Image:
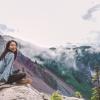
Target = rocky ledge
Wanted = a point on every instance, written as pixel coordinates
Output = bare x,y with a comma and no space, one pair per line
25,92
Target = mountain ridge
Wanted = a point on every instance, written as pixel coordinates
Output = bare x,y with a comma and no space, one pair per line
40,74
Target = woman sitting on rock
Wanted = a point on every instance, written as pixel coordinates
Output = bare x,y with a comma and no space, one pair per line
8,74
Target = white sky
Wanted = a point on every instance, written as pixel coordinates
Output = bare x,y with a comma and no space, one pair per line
50,22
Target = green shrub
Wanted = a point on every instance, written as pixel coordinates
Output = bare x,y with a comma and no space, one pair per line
78,94
56,96
95,94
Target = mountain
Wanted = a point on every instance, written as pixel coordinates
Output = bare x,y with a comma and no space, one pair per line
67,68
74,64
1,44
44,80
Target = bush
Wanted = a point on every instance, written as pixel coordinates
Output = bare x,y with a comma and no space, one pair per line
56,96
78,94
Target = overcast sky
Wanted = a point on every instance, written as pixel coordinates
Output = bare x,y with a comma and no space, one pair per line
52,22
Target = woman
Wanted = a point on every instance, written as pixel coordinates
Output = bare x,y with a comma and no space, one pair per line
7,72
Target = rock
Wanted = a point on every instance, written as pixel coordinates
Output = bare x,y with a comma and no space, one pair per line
71,98
21,92
25,92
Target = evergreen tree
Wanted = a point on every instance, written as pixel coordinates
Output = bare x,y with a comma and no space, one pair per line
96,81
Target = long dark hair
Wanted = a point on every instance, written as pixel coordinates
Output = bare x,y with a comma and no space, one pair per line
7,50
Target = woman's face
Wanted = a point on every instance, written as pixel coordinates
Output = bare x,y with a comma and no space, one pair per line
13,46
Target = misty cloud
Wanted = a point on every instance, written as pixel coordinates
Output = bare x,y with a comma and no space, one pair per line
5,29
97,34
89,13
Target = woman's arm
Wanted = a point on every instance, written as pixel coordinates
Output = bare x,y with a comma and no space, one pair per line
9,59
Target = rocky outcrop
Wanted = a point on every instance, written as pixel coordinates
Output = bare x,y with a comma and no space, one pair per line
20,93
25,92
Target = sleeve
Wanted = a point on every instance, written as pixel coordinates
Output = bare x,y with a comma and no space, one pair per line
9,58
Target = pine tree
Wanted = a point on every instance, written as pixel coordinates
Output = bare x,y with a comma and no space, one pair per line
96,89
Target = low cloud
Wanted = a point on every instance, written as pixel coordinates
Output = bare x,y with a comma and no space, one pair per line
5,29
97,34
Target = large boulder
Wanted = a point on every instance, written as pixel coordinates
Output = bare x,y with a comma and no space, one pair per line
25,92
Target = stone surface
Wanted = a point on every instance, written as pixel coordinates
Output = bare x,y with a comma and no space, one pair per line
25,92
